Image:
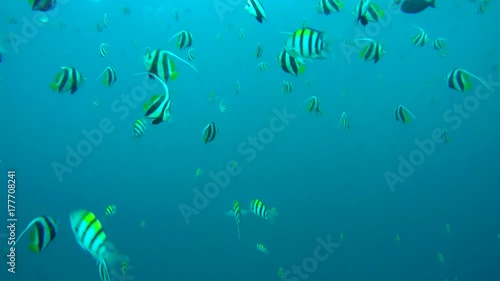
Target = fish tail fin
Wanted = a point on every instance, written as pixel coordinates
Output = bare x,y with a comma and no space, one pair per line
184,61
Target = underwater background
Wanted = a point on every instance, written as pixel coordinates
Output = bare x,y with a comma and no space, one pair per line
439,220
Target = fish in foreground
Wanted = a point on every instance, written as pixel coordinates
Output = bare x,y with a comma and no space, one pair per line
254,7
91,237
289,64
67,79
42,5
160,63
416,6
43,230
458,79
403,115
307,43
209,133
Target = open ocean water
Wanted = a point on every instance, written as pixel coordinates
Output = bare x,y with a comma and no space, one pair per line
366,197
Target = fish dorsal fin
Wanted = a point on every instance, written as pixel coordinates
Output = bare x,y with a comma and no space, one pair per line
306,100
106,69
177,34
27,228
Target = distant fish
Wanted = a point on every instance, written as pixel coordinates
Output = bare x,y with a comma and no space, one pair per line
110,211
184,39
262,249
416,6
109,76
421,38
439,43
344,122
313,105
209,133
458,79
103,50
258,50
403,115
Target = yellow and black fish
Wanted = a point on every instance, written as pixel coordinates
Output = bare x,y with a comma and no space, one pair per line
286,87
159,107
42,5
110,211
160,63
458,79
109,75
307,43
344,122
403,115
139,128
209,133
184,39
262,249
254,7
421,38
313,105
43,230
328,6
373,51
258,208
67,79
367,11
90,235
237,215
289,64
439,44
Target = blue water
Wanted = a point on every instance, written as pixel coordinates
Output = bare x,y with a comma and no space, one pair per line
323,181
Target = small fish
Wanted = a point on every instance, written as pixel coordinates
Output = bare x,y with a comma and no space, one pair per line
218,38
307,43
98,27
416,6
140,127
254,7
160,63
176,15
91,238
237,216
258,208
258,50
143,224
124,268
184,39
262,66
458,79
222,106
421,38
286,87
67,79
439,44
440,258
109,75
403,115
443,53
96,102
313,106
344,122
126,10
234,165
447,227
280,272
198,172
373,51
110,211
242,33
106,20
446,138
328,6
190,54
212,97
42,5
262,249
397,239
237,86
209,133
43,230
290,64
103,50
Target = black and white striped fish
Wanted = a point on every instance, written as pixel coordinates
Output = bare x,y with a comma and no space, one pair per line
421,38
344,121
184,39
160,63
254,7
43,230
289,64
328,6
158,109
403,115
307,43
458,79
373,51
139,128
258,208
67,79
109,76
209,133
313,106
